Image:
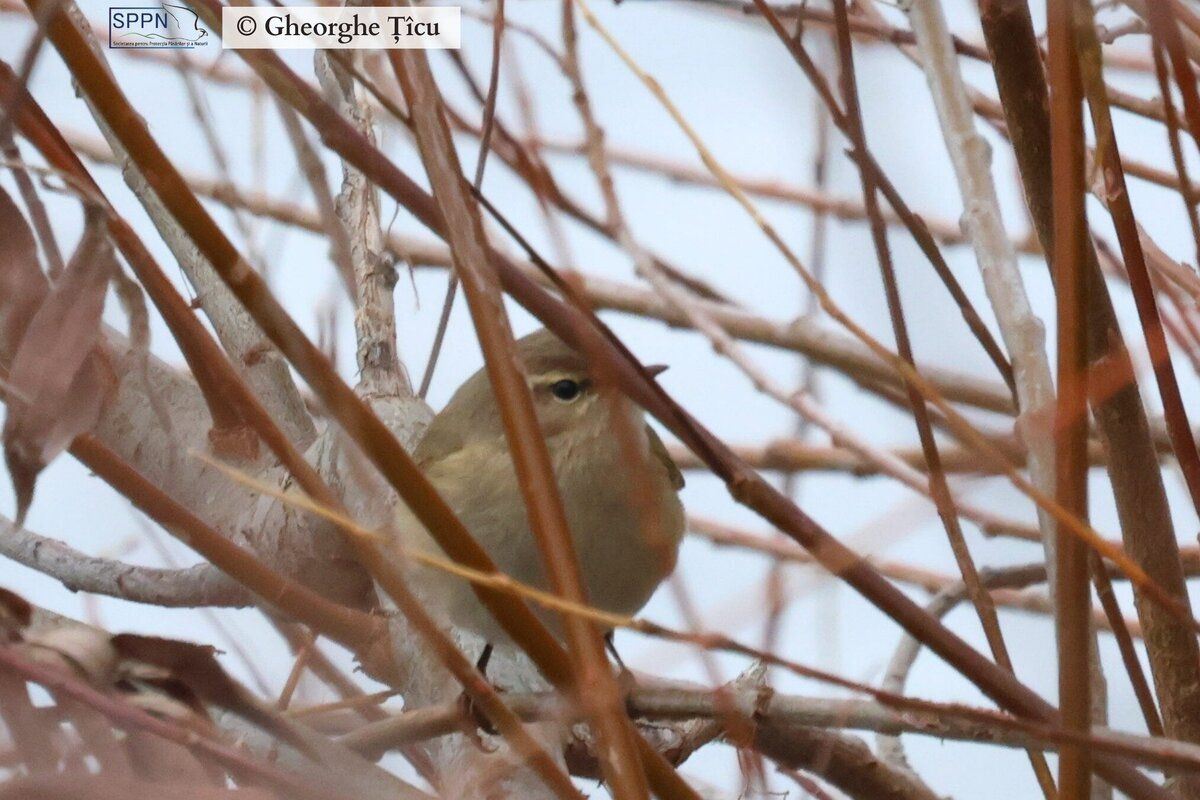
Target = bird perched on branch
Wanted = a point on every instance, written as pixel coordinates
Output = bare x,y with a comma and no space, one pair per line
618,486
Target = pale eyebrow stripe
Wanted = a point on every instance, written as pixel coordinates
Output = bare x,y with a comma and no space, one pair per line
550,378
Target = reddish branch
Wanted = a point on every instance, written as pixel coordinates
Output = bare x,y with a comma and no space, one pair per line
1146,525
1171,119
1164,27
1070,418
744,483
1135,263
1121,207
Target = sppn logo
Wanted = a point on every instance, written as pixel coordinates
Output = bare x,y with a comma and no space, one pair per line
163,25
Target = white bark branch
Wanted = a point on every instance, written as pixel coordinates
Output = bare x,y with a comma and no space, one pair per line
293,543
669,708
1023,332
201,585
381,374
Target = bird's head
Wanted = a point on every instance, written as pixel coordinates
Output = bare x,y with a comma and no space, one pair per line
565,396
561,381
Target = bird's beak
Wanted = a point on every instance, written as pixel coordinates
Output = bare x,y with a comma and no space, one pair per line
654,370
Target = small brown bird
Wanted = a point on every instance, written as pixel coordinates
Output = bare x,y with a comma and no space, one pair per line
465,455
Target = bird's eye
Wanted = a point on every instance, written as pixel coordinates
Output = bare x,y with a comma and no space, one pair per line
566,390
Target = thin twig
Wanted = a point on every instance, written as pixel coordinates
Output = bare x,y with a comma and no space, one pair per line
1173,139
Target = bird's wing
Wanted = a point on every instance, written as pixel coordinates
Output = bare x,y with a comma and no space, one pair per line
659,451
440,440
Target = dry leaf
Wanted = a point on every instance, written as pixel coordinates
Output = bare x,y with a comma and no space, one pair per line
23,287
133,301
14,609
86,649
196,667
59,379
193,664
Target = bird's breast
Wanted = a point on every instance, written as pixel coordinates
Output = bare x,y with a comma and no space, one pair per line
625,518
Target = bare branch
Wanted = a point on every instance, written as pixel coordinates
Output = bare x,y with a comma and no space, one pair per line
357,205
201,585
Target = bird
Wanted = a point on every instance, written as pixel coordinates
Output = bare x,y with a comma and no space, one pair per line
607,498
